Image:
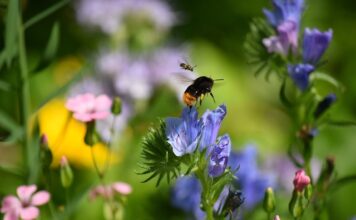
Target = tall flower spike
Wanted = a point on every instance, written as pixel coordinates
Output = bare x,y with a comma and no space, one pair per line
211,121
183,133
314,44
219,156
300,75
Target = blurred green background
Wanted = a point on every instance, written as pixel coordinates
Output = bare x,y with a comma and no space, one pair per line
216,31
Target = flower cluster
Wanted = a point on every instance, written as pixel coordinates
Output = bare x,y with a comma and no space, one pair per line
285,18
188,133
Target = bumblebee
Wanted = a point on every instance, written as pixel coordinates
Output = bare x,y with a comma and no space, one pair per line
187,66
198,89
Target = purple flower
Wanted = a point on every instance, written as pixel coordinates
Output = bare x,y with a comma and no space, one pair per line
324,105
112,15
287,39
186,196
300,75
285,18
314,44
219,156
25,205
285,10
183,133
135,76
211,121
252,180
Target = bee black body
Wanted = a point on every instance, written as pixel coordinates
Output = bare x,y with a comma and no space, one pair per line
198,89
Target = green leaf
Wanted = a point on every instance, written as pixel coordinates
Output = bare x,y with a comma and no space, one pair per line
42,15
53,42
257,55
341,123
158,159
11,34
318,76
10,125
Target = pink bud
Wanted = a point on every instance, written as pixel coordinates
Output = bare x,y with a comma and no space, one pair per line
44,140
122,188
276,217
301,180
64,161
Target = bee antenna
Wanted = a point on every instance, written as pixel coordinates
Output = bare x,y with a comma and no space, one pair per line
218,79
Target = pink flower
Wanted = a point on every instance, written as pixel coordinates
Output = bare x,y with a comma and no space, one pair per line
109,191
87,107
276,217
24,206
301,180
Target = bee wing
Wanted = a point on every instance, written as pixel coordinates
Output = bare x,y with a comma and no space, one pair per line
184,77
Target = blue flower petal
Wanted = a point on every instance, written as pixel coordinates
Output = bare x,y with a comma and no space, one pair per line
211,121
300,75
314,44
219,156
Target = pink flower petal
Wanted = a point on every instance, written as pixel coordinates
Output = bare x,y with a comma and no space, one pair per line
100,115
25,192
29,213
11,215
103,102
40,198
122,188
10,203
83,117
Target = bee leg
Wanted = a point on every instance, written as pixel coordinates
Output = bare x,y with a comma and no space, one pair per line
212,96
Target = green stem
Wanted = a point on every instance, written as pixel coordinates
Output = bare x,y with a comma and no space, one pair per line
25,102
206,201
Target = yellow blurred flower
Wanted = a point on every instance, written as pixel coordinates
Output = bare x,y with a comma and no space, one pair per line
66,137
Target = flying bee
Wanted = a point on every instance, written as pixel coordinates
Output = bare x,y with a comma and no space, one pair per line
187,66
198,89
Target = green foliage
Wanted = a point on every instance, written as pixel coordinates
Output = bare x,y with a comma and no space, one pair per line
158,159
257,54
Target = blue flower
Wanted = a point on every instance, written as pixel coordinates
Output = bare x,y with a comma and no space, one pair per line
314,44
285,10
324,105
219,156
186,196
211,121
183,133
300,74
252,180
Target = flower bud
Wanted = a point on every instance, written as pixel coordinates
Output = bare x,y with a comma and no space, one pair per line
269,203
276,217
116,106
308,192
66,173
324,105
296,204
301,180
91,137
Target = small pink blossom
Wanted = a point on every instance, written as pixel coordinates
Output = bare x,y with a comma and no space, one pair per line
64,161
276,217
24,206
87,107
301,180
108,191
